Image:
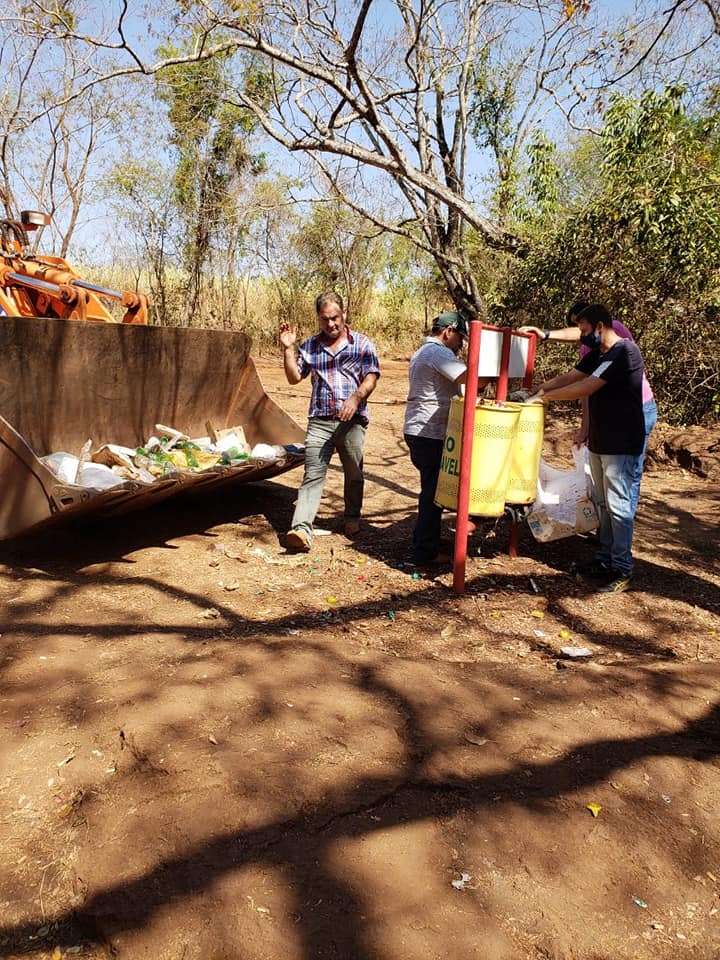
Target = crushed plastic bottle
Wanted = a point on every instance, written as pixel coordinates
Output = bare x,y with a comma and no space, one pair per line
233,455
189,448
156,462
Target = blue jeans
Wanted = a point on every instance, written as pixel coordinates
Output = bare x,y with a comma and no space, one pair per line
650,414
614,479
322,437
426,457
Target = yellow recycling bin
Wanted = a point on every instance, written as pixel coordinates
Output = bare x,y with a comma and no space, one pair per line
527,448
493,435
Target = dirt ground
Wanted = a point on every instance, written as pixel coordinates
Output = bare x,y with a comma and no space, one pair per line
214,750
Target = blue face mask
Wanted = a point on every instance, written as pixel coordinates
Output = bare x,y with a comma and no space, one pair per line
591,340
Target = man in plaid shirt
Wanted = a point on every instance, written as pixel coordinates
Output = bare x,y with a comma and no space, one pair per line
343,368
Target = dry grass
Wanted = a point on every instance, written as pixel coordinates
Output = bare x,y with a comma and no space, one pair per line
257,307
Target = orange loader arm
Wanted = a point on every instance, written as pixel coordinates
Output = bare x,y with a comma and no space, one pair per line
32,285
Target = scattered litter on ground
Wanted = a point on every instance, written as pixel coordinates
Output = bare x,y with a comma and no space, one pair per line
576,653
478,741
460,884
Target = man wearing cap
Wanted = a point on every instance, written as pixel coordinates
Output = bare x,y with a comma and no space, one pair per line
435,378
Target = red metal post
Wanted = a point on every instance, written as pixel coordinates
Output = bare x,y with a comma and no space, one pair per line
530,364
502,384
514,533
468,433
500,397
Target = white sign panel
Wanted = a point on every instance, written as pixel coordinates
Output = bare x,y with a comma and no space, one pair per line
491,351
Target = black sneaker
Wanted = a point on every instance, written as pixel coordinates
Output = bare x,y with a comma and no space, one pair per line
619,583
440,559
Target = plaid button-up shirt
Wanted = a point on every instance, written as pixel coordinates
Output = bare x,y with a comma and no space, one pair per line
336,376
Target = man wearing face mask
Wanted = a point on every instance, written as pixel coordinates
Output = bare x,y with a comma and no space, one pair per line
610,376
435,378
571,334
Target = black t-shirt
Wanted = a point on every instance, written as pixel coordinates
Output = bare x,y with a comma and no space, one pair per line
616,424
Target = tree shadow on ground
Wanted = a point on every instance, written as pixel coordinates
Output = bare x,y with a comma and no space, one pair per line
301,846
101,539
693,540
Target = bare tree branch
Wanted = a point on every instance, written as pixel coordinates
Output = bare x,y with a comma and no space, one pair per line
386,89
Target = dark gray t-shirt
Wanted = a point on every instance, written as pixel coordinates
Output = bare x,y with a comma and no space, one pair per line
617,424
434,368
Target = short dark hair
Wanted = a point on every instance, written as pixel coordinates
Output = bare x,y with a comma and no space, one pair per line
328,297
574,309
596,313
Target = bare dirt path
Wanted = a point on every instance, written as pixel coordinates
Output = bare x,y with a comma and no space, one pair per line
213,750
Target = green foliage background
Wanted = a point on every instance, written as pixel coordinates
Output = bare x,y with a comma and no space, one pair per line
640,232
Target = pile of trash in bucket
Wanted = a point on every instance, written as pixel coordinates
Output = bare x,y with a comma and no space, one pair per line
169,453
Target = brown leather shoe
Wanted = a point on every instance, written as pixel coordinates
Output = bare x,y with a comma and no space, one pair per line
298,540
351,528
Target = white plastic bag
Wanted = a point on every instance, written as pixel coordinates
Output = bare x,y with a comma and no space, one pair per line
67,468
265,451
98,477
563,506
63,465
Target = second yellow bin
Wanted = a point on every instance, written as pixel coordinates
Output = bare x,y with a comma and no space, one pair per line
527,449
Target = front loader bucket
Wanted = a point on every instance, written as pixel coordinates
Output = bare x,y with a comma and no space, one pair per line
63,382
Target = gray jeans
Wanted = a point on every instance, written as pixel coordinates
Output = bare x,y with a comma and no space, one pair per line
323,436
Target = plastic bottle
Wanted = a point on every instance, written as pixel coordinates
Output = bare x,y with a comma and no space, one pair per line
233,455
187,446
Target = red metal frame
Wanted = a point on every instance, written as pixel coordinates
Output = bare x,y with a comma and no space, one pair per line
468,432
